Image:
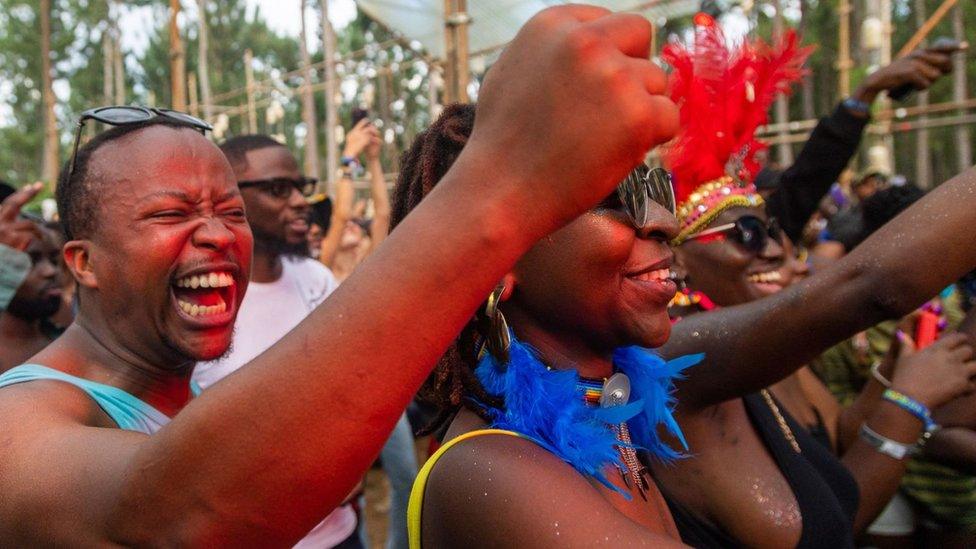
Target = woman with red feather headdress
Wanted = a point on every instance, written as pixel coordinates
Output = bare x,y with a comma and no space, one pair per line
759,477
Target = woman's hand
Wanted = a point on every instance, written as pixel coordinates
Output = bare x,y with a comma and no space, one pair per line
360,138
936,374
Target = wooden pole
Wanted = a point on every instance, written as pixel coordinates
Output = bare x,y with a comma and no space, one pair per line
177,60
203,63
888,138
308,103
450,55
456,71
252,114
331,115
925,29
191,83
844,61
50,154
462,70
923,163
964,148
784,153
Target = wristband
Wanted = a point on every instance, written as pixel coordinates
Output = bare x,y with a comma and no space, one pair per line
911,406
888,447
348,161
856,106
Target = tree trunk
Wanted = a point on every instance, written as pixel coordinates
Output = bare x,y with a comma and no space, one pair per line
50,154
923,164
119,70
108,61
203,67
331,116
176,59
964,151
252,111
308,105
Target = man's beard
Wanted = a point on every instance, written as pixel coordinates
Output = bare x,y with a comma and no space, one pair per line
33,309
275,246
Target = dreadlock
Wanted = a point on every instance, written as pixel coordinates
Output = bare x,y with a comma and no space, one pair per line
453,383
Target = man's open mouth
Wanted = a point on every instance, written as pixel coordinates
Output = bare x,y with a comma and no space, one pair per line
204,295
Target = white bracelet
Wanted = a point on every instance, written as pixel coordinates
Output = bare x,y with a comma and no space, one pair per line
888,447
876,374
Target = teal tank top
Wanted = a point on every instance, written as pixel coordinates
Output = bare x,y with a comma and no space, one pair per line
127,411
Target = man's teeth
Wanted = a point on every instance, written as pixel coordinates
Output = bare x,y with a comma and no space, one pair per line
206,280
770,277
198,310
652,276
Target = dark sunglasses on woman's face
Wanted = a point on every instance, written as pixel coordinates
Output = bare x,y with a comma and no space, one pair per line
635,193
749,231
122,115
282,187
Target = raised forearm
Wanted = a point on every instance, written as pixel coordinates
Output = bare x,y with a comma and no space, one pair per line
336,384
851,417
879,475
907,261
337,224
381,202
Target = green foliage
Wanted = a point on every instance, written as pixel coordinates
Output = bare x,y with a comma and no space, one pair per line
399,98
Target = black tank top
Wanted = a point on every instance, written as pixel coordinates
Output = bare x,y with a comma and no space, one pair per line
825,491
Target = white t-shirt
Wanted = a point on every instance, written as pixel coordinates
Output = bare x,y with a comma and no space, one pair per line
268,312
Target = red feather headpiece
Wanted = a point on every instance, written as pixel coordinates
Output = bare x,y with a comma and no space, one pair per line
724,95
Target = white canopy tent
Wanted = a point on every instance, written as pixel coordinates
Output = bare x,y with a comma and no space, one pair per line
461,32
494,22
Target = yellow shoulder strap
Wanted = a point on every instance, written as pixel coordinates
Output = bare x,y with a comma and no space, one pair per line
420,484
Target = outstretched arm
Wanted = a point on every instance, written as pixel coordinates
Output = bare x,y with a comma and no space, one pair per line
836,138
379,192
748,347
265,454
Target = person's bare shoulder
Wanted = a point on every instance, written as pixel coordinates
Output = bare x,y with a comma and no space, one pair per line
56,449
23,405
505,491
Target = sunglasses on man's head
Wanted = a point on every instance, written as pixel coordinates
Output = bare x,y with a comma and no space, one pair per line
635,193
122,115
282,187
749,231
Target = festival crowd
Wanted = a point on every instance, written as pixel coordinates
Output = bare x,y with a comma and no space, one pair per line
716,351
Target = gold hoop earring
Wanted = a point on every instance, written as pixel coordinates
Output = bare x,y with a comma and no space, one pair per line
499,339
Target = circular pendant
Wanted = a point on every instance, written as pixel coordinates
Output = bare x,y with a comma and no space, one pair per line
616,391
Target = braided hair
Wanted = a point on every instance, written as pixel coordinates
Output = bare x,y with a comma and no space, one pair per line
453,383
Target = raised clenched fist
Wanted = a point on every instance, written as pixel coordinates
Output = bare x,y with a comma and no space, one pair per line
571,106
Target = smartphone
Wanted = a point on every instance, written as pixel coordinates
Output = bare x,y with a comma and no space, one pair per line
926,329
357,115
943,44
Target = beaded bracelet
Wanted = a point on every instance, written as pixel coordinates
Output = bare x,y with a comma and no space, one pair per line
911,406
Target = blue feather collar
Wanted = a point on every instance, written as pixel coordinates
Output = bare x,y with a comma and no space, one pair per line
546,406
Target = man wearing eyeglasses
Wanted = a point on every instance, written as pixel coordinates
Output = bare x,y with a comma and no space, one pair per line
285,283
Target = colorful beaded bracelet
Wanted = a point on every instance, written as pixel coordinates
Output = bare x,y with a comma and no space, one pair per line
911,406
